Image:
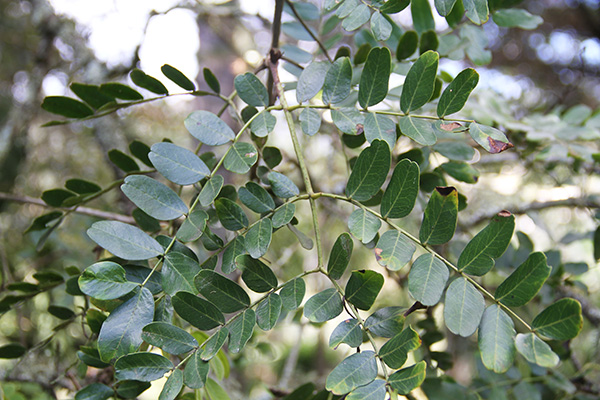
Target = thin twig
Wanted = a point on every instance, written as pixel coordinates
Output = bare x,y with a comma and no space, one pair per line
310,32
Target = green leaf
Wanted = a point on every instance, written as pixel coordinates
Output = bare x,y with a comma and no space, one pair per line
418,129
59,312
283,215
215,392
235,248
497,339
251,90
120,91
129,389
476,10
427,279
12,350
177,164
560,321
105,281
91,94
121,332
374,80
198,312
348,332
66,106
310,121
123,161
214,343
227,295
386,322
255,274
211,241
458,151
455,96
211,80
323,306
141,79
297,31
380,127
95,391
420,80
429,41
461,171
347,120
395,351
394,6
381,27
57,197
340,255
195,372
422,16
524,283
258,238
124,241
535,350
311,80
517,18
444,7
168,337
357,18
43,221
256,198
193,226
407,45
463,307
177,77
440,217
491,139
363,225
240,330
375,390
153,197
363,287
394,250
210,190
292,294
345,8
172,386
478,256
240,157
338,81
268,311
370,170
230,214
400,196
178,272
407,379
282,186
356,370
208,128
81,186
271,156
263,124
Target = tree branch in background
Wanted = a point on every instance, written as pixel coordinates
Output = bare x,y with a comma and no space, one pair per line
315,38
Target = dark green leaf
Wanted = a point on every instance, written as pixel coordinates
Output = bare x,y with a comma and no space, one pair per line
380,127
59,312
211,241
535,350
463,307
255,274
141,79
105,281
12,350
375,77
310,121
375,390
211,80
178,77
235,248
323,306
394,6
302,392
395,351
251,90
193,226
440,217
121,333
407,45
139,274
524,283
422,16
256,198
81,186
283,215
356,370
56,197
456,94
123,161
123,240
369,172
282,185
340,256
263,124
292,294
120,91
478,256
153,197
420,80
386,322
240,157
177,164
348,120
240,330
268,311
489,138
172,386
380,26
168,337
214,343
338,81
363,287
95,391
311,80
208,128
230,214
42,222
444,7
476,10
394,250
66,106
458,151
348,332
271,156
90,356
418,129
456,14
91,94
227,295
198,312
407,379
258,238
131,389
210,190
400,196
363,225
427,279
497,339
195,372
560,321
178,272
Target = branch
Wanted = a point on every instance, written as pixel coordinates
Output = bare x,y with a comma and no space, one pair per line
80,210
316,39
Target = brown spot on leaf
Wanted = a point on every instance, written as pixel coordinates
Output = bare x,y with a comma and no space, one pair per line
378,253
450,126
445,190
360,128
497,146
504,213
